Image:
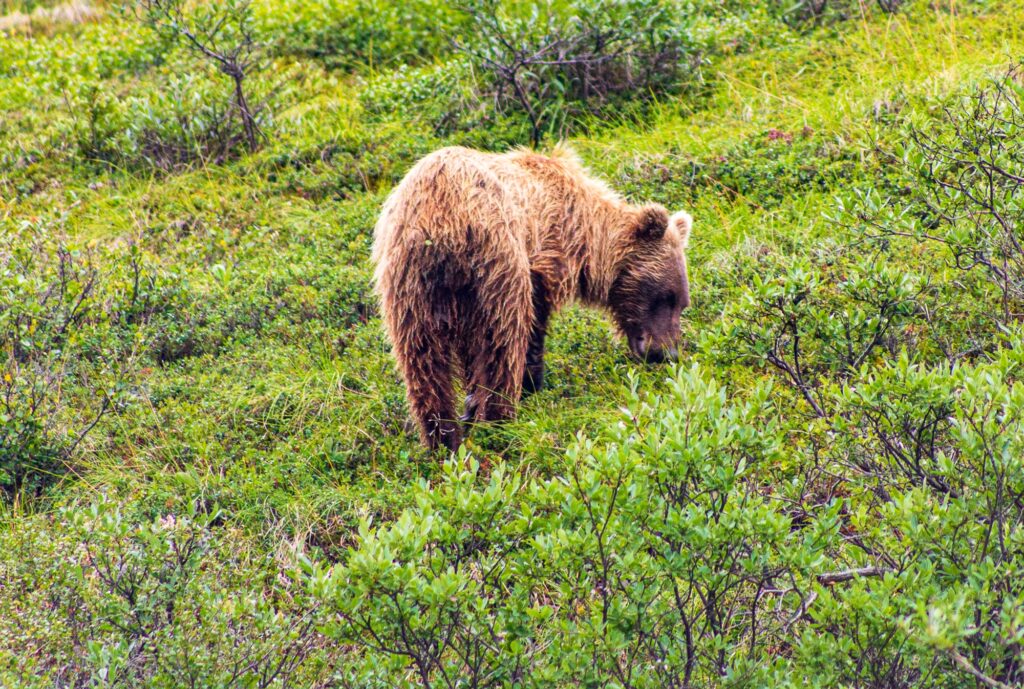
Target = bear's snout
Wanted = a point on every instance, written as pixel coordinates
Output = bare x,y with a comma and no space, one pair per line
644,349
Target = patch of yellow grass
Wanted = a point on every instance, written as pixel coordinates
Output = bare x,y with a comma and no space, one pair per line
46,19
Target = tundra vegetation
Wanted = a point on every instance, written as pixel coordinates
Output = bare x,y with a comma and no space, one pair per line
208,479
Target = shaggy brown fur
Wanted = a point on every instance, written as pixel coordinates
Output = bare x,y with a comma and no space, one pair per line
473,253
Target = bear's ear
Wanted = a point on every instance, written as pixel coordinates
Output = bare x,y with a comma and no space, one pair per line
683,222
652,224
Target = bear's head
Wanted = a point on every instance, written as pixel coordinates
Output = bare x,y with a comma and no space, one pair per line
651,287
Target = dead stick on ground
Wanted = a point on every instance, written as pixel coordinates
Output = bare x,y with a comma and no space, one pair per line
829,578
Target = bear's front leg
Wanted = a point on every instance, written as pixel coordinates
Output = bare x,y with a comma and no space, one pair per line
533,376
496,384
496,339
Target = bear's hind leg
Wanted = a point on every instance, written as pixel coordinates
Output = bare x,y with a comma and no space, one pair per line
432,400
427,369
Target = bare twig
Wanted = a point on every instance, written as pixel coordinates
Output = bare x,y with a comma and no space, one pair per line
829,578
805,605
967,666
233,52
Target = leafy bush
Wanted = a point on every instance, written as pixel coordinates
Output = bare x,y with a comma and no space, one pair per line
184,115
813,13
184,121
49,297
961,174
654,561
937,465
816,324
361,34
439,95
553,66
221,34
121,601
657,560
765,171
351,161
38,84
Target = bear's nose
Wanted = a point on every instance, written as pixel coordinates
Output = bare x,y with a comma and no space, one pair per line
652,354
659,355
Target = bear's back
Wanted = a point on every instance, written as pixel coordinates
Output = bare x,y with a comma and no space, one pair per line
456,188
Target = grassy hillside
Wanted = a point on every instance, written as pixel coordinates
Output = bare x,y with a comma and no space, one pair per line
208,475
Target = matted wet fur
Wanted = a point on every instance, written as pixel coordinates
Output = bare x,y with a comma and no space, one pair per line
474,251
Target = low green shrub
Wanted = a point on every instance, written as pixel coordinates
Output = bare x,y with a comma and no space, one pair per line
184,120
104,50
62,370
351,161
672,550
441,96
818,322
764,171
361,35
958,178
937,483
444,100
101,598
558,65
222,36
652,558
809,14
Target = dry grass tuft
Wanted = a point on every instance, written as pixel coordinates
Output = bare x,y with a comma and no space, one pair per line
49,19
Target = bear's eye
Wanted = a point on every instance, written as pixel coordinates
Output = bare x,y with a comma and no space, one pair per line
666,300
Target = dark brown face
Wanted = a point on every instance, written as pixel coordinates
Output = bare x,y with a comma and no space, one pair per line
647,300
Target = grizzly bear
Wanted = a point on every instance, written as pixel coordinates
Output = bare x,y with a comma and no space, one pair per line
474,252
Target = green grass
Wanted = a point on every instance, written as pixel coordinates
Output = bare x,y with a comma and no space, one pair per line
264,383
